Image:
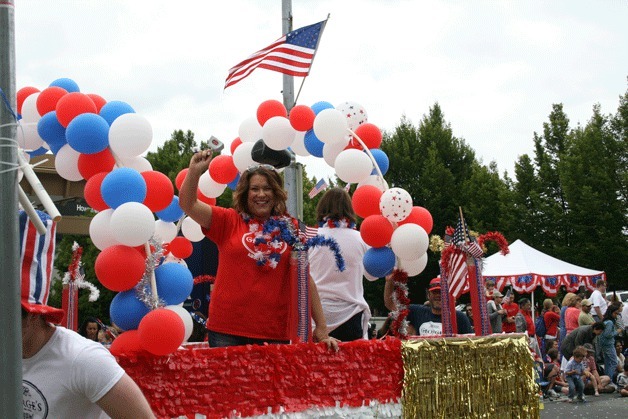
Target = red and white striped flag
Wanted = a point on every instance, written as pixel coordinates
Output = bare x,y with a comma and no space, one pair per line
320,186
291,54
36,258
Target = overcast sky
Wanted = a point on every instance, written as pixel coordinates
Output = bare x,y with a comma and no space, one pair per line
495,67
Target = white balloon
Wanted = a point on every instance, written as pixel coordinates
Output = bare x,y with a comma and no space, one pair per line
250,130
192,230
278,133
415,266
209,187
409,241
165,231
29,109
330,126
100,231
353,166
132,224
138,163
354,112
27,136
130,135
331,151
298,145
66,163
395,204
375,180
242,156
186,317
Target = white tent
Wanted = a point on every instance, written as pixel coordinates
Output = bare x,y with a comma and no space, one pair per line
526,268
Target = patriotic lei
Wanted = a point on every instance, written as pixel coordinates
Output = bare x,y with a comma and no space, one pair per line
270,234
339,223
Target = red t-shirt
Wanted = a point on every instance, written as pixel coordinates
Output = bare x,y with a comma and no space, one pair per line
571,318
551,322
247,299
511,310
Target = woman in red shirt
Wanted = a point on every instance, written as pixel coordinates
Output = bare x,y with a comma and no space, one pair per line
551,317
572,314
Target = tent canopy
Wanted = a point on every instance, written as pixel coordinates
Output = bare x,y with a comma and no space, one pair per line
526,268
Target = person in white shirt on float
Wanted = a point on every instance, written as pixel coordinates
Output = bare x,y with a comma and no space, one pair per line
598,299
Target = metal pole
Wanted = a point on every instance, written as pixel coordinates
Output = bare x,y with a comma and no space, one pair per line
293,173
10,321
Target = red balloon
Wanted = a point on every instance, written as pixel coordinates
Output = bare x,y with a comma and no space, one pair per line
376,230
365,200
161,332
270,108
91,164
73,104
205,199
420,216
48,98
234,144
370,135
159,190
181,247
119,267
22,94
98,100
302,118
126,343
222,169
92,192
180,178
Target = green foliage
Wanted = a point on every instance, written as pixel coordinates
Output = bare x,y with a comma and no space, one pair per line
175,154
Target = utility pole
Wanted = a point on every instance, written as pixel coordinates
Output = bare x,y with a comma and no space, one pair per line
293,174
10,322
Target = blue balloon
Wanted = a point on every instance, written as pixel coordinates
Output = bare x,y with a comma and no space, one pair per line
126,311
381,159
111,110
172,212
88,133
68,84
51,131
38,152
379,261
313,145
232,185
174,283
319,106
123,185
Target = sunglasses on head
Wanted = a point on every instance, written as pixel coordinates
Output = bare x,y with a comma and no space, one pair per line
254,167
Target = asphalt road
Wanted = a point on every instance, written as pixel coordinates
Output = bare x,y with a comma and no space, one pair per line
604,406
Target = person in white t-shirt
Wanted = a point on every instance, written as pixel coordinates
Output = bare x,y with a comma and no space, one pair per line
598,299
65,375
341,293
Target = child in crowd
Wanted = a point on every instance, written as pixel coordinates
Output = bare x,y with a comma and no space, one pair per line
557,386
622,381
574,372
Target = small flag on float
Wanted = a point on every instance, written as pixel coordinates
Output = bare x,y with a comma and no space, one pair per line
318,188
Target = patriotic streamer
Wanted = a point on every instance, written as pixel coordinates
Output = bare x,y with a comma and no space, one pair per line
304,325
485,325
445,302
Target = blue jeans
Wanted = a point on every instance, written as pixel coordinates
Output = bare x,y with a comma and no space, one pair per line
575,385
220,340
610,360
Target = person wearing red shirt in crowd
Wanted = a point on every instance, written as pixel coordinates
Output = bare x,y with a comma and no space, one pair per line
524,324
512,309
551,317
489,289
572,314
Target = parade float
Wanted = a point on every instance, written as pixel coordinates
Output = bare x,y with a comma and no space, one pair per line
139,222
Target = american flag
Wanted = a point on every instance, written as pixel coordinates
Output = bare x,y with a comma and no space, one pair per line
291,54
318,188
458,283
36,258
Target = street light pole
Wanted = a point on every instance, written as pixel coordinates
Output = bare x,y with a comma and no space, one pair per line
293,174
10,322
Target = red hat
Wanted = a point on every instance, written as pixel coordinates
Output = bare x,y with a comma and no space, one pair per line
435,284
36,262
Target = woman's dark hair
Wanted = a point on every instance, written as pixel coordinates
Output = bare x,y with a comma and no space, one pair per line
552,353
597,326
523,301
335,204
610,310
241,193
83,329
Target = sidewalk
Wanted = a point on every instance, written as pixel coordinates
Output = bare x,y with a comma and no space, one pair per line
604,406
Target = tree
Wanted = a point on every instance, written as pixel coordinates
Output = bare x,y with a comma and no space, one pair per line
175,154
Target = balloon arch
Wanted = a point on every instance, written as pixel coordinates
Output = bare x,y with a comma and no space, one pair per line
139,220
